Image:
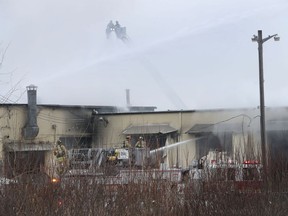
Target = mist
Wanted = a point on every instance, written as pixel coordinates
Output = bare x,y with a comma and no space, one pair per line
181,55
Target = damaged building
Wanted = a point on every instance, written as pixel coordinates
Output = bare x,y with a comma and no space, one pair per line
29,132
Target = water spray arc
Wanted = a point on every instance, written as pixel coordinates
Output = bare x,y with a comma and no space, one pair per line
173,145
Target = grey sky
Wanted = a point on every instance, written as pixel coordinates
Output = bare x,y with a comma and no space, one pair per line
182,55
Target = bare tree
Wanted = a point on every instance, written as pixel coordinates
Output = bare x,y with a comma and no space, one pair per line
13,88
2,53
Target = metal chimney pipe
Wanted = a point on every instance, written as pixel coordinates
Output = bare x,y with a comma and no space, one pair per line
31,129
128,97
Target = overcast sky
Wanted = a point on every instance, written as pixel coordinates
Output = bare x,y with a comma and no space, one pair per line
185,54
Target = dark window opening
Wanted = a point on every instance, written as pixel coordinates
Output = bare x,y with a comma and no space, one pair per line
278,147
218,174
231,174
77,142
28,162
250,174
153,141
210,141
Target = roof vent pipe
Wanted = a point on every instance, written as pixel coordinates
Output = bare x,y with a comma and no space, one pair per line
31,129
128,97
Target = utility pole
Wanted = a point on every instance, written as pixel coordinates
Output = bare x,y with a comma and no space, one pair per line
260,42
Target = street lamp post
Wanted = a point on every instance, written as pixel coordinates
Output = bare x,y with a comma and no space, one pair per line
260,42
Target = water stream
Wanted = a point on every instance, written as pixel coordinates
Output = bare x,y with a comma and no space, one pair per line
173,145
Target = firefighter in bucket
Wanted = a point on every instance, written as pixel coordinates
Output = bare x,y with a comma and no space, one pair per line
60,153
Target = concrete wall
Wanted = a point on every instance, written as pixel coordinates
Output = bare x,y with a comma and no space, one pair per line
53,122
57,122
12,120
106,129
111,134
182,155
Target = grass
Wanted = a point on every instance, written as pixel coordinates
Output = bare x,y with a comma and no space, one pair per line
86,196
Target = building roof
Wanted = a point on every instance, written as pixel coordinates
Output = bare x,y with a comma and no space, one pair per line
216,128
149,129
201,128
276,125
11,147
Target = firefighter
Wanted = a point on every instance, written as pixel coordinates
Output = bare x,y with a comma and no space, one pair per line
60,150
127,142
60,153
110,28
120,31
117,25
112,156
140,143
